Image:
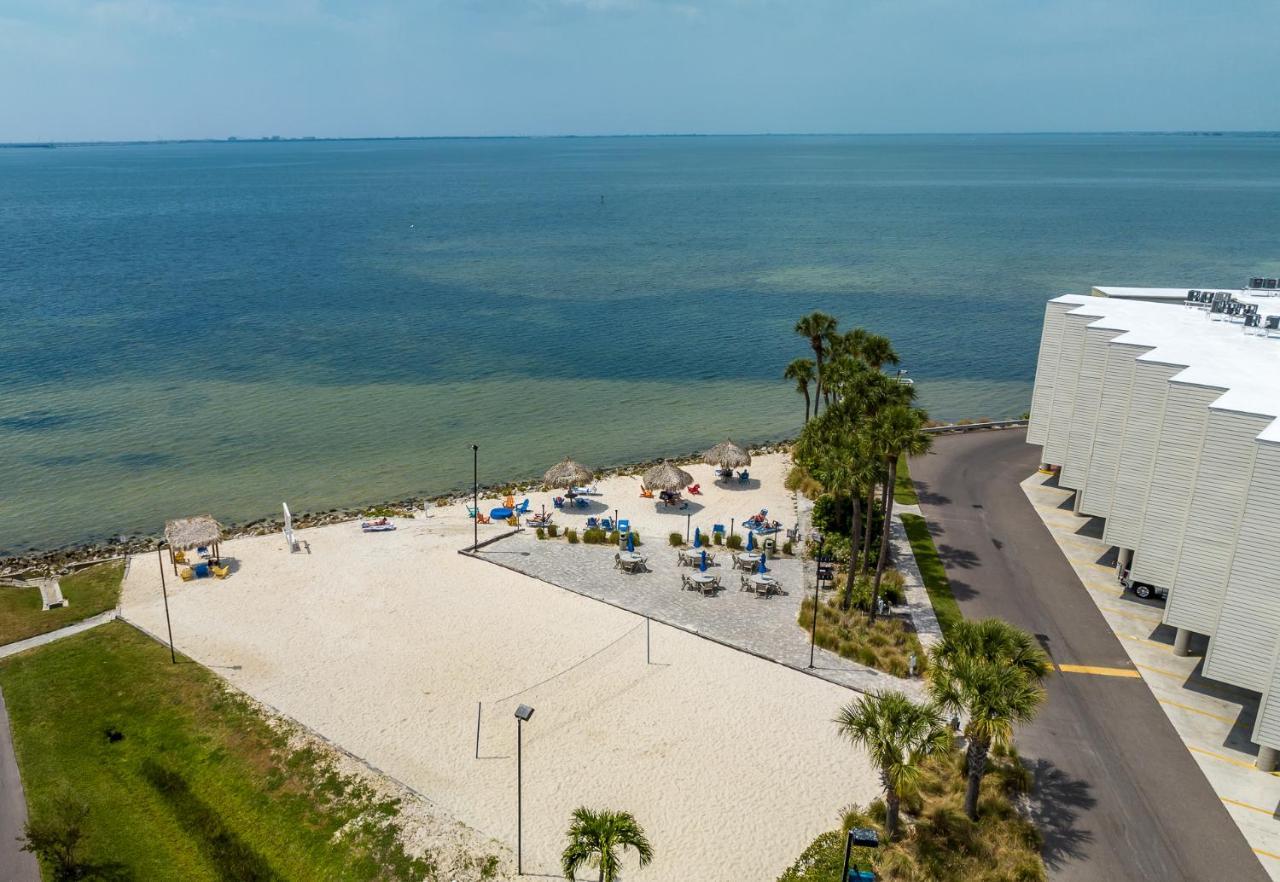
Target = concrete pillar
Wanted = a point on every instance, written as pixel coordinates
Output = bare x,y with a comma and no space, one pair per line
1182,642
1075,502
1267,759
1124,559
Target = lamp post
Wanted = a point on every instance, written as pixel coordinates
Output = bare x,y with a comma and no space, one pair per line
813,629
862,836
475,495
523,713
165,591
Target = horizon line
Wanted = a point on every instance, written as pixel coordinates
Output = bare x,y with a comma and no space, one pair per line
258,139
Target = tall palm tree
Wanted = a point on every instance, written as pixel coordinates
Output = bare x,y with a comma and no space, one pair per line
991,672
818,328
598,839
877,351
898,734
801,370
896,431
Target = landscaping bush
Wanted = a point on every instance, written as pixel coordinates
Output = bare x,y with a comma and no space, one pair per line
614,537
595,536
675,539
886,645
635,538
572,535
552,530
833,513
541,533
734,542
717,538
787,547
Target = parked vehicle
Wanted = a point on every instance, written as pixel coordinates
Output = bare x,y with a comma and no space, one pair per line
1143,590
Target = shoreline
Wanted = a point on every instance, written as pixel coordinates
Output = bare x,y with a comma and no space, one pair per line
77,555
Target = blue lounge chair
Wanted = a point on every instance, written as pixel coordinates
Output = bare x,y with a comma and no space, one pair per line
523,507
717,528
624,526
592,523
743,476
580,502
558,502
606,524
202,571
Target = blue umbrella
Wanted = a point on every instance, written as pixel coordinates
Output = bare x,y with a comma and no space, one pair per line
751,541
763,568
703,565
631,542
697,537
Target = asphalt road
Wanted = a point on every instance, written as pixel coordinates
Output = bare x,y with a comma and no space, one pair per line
1120,796
16,865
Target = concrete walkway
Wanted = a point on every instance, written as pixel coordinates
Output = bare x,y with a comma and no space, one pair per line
41,639
919,605
16,865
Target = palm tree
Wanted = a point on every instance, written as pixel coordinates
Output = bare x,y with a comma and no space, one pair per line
818,327
898,734
598,839
801,370
991,672
896,431
877,351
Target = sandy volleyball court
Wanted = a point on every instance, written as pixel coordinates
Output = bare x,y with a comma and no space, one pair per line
384,643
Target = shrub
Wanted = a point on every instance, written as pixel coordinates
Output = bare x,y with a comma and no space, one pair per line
541,534
893,587
787,547
676,539
717,538
553,530
635,538
734,542
572,535
615,537
595,536
55,841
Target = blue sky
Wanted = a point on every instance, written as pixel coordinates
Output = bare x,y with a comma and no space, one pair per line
123,69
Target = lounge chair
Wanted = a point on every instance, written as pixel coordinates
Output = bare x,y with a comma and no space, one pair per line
744,476
180,557
558,502
695,489
508,502
606,524
482,519
645,492
471,512
624,526
202,571
185,574
580,502
717,528
220,572
592,523
537,520
522,508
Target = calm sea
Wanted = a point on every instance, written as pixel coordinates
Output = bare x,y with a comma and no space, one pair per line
220,327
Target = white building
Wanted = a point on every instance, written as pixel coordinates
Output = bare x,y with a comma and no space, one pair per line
1164,419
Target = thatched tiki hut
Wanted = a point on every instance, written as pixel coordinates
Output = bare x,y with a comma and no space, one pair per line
183,534
567,474
727,455
665,476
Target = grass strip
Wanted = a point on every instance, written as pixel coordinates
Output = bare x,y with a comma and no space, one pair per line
933,572
91,591
904,492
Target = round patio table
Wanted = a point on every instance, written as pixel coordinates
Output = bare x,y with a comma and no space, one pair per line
629,557
765,581
702,578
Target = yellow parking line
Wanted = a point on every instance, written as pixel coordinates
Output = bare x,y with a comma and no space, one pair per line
1196,710
1123,613
1201,685
1155,643
1101,672
1273,856
1227,759
1245,805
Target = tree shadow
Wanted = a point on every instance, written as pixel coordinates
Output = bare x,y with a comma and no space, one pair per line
106,871
928,496
962,590
1055,807
961,558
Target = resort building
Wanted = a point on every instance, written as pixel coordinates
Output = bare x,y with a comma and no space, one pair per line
1161,408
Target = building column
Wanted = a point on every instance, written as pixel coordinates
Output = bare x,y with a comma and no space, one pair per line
1267,759
1124,559
1182,642
1076,502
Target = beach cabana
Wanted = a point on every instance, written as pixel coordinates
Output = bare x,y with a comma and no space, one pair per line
183,534
727,456
567,474
665,476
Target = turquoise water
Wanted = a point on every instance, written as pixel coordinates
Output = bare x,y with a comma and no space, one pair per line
219,327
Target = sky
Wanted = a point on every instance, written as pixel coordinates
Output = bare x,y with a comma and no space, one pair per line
72,70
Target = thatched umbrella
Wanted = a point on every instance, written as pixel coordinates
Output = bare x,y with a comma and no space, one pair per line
567,474
727,455
665,476
199,531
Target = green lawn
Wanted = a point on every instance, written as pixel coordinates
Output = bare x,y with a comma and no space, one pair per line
184,778
931,569
904,492
89,592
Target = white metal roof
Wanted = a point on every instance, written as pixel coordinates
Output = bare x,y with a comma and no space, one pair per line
1216,354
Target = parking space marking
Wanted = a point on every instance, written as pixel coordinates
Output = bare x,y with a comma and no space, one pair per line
1271,813
1230,721
1227,759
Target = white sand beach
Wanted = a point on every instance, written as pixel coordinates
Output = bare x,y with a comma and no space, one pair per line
384,643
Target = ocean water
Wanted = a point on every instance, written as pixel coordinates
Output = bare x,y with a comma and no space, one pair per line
220,327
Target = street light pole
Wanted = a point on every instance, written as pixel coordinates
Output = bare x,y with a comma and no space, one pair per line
813,629
523,713
165,591
475,495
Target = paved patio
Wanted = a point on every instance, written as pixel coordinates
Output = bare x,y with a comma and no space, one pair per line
766,627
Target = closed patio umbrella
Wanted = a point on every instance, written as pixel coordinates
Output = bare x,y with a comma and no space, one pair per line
702,565
751,541
697,537
631,542
763,556
665,476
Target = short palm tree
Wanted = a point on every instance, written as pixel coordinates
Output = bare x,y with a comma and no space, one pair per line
818,328
801,370
598,839
898,734
991,672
